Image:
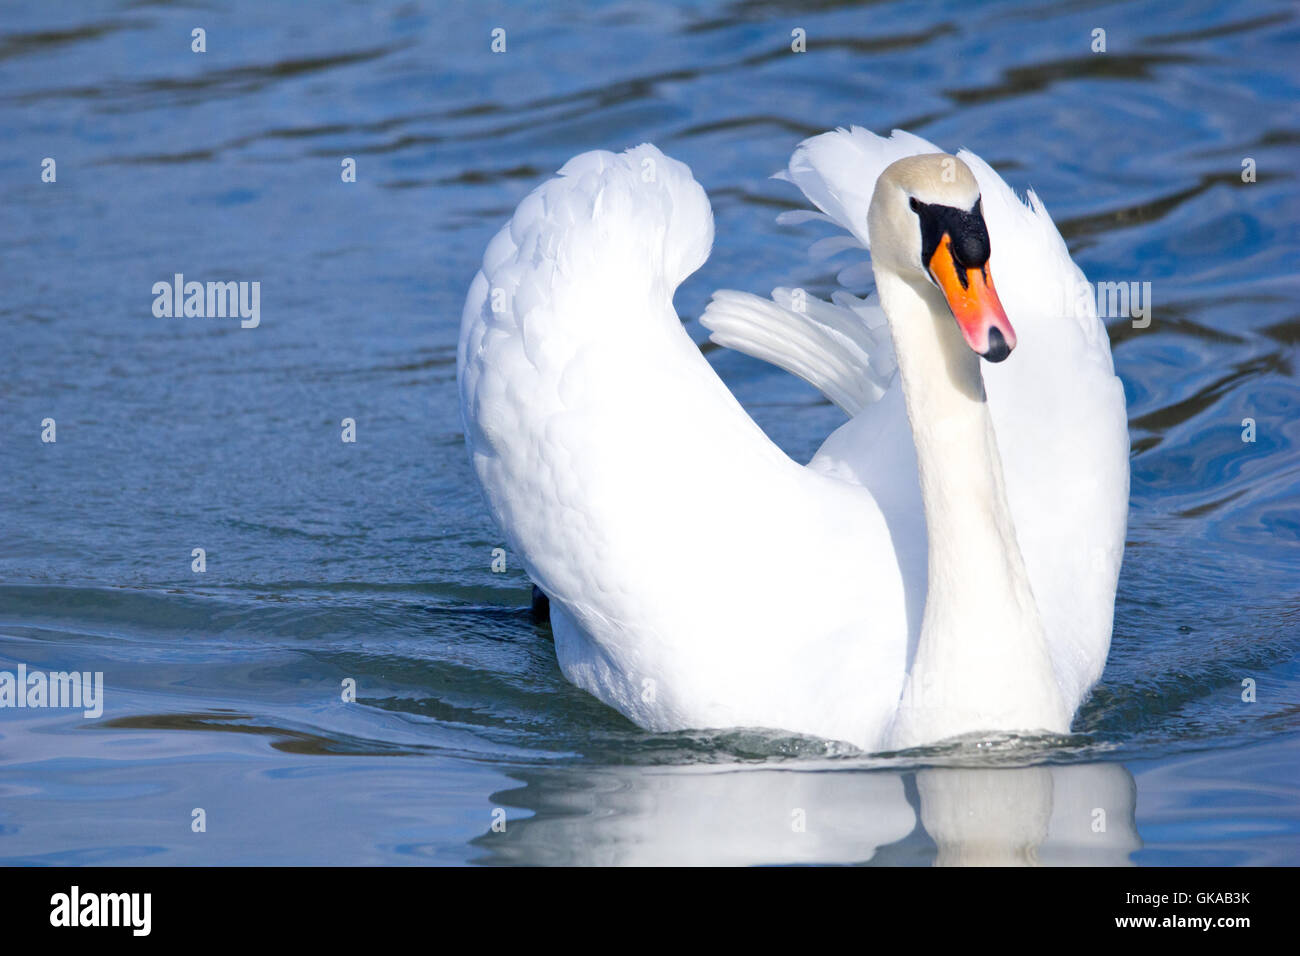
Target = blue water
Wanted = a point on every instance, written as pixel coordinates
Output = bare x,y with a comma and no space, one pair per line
372,561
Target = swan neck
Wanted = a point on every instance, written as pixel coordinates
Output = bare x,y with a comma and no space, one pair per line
981,634
968,518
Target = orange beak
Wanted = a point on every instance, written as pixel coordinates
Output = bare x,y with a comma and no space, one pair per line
974,303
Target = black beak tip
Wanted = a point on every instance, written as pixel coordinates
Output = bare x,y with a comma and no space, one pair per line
998,348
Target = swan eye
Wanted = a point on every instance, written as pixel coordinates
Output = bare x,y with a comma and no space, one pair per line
915,206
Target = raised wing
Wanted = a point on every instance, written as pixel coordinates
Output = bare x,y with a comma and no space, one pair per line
698,577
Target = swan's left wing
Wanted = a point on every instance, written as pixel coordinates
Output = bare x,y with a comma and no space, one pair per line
1062,425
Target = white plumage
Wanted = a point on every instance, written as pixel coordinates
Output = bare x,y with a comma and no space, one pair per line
698,576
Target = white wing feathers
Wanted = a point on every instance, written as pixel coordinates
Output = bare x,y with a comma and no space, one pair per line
841,349
682,550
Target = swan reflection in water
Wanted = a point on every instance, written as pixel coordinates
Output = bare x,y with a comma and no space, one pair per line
1074,815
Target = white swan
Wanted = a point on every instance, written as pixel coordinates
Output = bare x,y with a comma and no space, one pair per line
945,565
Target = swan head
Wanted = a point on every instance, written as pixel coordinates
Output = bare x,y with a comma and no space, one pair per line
926,224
